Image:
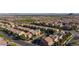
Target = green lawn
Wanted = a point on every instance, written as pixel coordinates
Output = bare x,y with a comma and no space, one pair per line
24,21
1,35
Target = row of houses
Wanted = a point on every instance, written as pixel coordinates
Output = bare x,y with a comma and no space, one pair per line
49,40
34,32
27,32
52,39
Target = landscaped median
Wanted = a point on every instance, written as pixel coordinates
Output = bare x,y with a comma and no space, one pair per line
66,39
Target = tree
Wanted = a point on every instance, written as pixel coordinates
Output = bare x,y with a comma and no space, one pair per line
23,37
49,31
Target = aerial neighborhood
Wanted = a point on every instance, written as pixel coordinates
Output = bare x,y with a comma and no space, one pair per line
39,30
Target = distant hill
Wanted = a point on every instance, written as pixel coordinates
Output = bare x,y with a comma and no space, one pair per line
37,14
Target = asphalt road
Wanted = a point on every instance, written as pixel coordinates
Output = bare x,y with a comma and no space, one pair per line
75,34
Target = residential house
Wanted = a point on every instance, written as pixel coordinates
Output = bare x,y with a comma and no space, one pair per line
17,31
47,41
35,32
50,40
29,35
54,37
